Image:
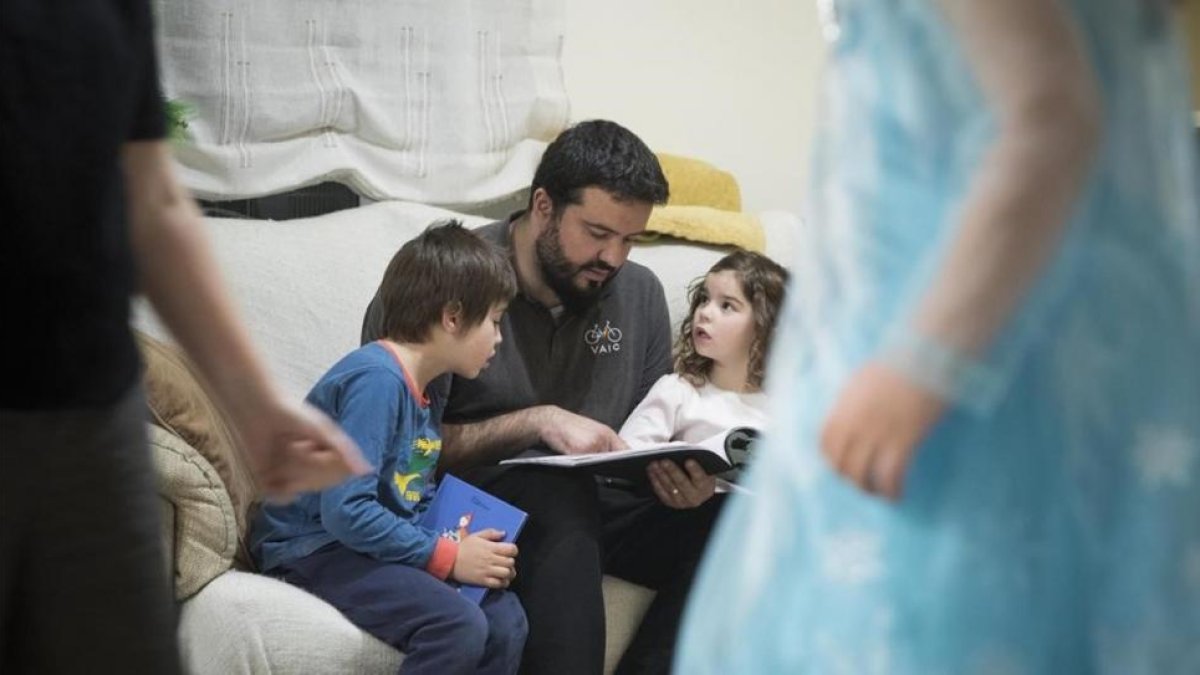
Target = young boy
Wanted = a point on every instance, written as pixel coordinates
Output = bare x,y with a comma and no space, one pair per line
357,545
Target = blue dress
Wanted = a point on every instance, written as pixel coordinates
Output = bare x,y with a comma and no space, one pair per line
1051,521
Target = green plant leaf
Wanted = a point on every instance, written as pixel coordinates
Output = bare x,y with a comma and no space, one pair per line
177,113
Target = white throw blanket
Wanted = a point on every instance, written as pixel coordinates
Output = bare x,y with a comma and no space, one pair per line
449,102
302,286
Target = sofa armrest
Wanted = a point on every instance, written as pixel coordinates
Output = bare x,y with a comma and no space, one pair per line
243,623
246,624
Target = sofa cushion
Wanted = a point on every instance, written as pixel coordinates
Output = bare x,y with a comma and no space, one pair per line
205,534
706,225
179,403
166,533
625,604
243,624
695,182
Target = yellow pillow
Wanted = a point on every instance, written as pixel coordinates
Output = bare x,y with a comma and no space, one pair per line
707,226
697,183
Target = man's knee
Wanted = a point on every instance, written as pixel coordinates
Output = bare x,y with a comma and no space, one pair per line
573,489
561,501
698,524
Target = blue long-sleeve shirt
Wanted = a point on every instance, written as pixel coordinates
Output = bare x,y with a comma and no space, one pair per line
372,397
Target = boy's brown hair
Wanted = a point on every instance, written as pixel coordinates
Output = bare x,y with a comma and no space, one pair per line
446,267
763,282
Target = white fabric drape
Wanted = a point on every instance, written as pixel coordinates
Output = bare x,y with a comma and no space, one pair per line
435,101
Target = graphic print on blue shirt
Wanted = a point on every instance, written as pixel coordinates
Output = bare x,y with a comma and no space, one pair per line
422,461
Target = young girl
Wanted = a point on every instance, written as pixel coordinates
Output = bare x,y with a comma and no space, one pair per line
985,413
719,361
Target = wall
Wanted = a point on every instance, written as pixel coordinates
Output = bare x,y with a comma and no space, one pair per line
731,83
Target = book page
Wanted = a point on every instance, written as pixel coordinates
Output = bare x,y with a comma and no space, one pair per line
714,444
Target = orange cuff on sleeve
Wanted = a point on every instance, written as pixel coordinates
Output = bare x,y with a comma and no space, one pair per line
442,561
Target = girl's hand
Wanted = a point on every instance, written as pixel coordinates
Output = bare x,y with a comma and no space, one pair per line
878,421
680,490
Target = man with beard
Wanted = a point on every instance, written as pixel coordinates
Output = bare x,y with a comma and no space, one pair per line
583,341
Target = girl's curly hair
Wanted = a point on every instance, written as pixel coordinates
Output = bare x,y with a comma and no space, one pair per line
764,282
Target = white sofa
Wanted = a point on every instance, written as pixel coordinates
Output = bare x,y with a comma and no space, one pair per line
302,287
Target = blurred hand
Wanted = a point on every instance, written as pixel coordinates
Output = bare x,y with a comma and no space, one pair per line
875,426
295,448
680,490
484,560
573,434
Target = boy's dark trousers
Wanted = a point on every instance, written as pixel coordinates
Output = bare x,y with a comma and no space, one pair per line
439,631
578,531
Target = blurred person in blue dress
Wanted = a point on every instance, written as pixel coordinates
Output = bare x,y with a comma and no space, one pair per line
986,389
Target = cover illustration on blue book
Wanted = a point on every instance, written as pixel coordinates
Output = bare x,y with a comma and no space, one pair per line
459,508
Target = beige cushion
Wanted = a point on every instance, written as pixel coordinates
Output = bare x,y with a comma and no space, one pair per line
166,532
625,604
205,536
179,403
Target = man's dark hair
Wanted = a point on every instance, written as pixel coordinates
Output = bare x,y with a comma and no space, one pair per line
446,266
602,154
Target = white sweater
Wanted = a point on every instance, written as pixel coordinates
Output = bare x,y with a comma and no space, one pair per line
674,410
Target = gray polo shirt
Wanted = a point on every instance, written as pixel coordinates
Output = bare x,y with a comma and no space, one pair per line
599,362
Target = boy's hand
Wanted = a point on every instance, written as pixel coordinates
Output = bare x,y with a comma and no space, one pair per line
484,560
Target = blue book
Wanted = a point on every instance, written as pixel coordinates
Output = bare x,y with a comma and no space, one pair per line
459,508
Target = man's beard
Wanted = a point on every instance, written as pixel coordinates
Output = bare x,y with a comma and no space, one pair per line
559,273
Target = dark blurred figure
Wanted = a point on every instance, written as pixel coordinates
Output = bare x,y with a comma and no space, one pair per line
91,212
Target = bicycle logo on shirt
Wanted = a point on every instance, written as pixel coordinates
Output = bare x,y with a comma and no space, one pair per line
603,340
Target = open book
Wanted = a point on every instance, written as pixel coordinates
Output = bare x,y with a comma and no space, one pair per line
459,508
724,454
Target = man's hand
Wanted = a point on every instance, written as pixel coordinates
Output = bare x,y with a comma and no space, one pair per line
484,560
573,434
680,490
296,448
875,427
